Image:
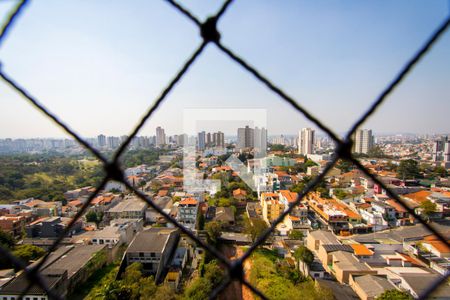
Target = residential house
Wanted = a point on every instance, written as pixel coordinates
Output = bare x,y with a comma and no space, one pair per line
345,264
224,215
131,207
187,212
67,268
417,284
44,209
165,203
152,248
51,227
271,206
369,287
12,224
240,194
105,201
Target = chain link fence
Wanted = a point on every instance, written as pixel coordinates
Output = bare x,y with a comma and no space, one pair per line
211,36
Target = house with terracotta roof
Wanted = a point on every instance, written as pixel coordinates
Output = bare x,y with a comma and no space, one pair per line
402,216
240,194
325,209
105,201
187,212
298,218
418,197
163,192
437,247
43,208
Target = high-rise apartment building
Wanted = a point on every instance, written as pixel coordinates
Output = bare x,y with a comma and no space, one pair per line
208,140
241,140
306,141
101,139
260,140
160,137
362,141
219,139
252,138
113,142
201,140
447,152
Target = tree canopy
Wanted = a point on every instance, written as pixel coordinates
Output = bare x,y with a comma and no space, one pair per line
408,169
296,234
394,294
428,208
304,254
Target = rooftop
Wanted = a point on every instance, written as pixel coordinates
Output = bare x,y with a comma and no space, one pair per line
151,240
338,247
373,285
361,249
188,201
346,261
419,283
326,237
129,204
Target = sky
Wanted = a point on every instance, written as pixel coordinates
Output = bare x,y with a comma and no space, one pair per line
99,65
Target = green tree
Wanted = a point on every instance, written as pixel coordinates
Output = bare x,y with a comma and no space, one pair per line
225,202
199,289
28,253
440,171
394,294
310,163
255,228
344,165
376,152
428,208
213,273
296,234
305,255
200,221
213,229
408,169
6,240
164,292
147,287
340,194
94,217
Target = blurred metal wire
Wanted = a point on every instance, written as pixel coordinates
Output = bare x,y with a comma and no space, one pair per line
210,34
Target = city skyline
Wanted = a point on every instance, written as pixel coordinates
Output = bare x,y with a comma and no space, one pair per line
103,84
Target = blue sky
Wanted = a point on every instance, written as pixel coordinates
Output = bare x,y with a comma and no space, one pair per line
99,64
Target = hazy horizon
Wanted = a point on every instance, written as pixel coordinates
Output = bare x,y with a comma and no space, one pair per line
100,66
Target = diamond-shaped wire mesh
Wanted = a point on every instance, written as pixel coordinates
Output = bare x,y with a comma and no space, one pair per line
210,34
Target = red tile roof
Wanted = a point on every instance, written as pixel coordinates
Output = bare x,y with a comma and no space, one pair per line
290,196
189,201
